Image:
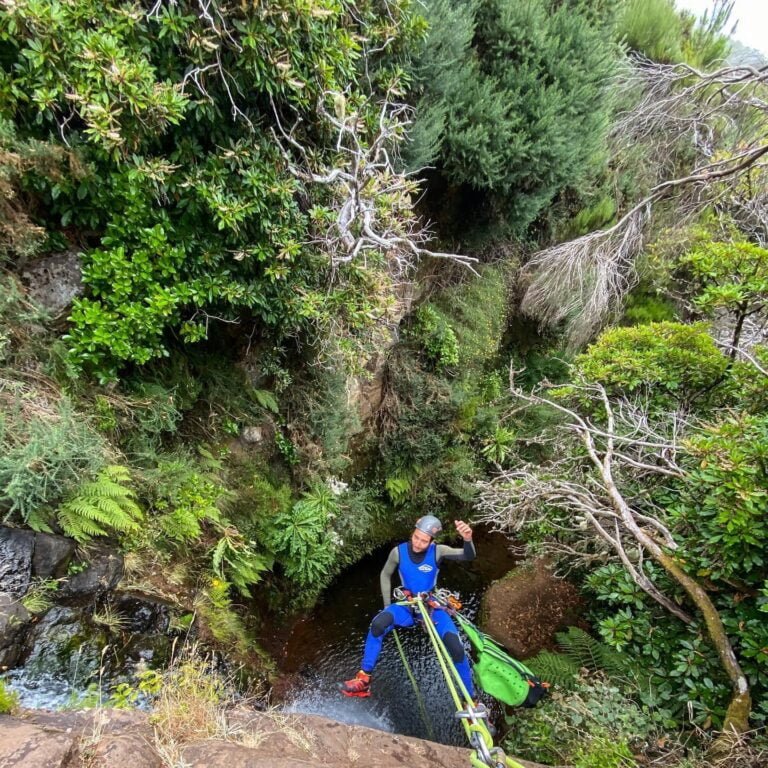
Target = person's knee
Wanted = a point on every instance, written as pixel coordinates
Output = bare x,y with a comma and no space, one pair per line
381,623
454,646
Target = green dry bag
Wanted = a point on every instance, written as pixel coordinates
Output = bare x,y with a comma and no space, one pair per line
498,674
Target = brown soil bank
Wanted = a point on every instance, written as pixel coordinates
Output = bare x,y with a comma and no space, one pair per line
121,739
525,609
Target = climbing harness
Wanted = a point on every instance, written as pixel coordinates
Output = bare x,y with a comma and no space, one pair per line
473,716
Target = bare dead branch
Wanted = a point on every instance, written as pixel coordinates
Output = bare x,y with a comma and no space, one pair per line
582,283
363,175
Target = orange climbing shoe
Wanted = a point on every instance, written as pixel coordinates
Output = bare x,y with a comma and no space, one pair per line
359,685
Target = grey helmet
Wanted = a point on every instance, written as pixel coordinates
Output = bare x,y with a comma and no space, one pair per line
430,525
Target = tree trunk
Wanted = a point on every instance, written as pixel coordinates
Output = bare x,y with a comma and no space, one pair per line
737,715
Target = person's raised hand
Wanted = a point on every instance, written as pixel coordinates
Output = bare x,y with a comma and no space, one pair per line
464,530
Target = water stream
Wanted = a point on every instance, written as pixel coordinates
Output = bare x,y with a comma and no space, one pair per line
325,647
70,656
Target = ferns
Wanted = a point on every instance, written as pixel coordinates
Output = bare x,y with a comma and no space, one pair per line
556,668
235,560
579,651
101,507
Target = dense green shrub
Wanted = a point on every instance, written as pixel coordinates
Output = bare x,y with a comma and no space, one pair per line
665,362
303,540
591,726
516,109
191,213
653,28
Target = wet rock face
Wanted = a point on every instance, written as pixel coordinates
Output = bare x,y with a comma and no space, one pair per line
52,556
61,645
16,550
144,616
103,574
13,626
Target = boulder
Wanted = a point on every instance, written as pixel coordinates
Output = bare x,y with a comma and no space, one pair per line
16,548
26,745
103,574
525,609
13,620
51,556
54,281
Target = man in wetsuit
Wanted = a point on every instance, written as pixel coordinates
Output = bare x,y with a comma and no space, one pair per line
417,562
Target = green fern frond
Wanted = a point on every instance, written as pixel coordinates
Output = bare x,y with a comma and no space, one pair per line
101,507
580,651
265,399
556,668
38,522
581,648
218,555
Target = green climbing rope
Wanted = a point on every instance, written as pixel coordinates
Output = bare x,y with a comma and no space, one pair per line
485,754
419,696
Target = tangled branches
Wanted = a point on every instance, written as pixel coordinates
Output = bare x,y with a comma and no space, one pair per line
583,282
370,209
586,502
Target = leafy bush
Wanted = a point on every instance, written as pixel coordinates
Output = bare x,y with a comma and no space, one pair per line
47,450
516,108
666,362
436,337
9,700
653,28
301,538
194,213
591,726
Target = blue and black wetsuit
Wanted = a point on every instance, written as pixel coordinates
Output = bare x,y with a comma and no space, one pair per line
418,573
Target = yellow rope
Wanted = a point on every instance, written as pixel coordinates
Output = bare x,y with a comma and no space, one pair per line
473,726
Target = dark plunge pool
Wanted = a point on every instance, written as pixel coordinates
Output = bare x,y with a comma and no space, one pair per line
325,647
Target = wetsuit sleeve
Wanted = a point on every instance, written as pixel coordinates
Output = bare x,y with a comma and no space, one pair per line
386,576
451,553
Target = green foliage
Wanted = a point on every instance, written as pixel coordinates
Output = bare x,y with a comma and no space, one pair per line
643,308
516,108
219,618
666,362
102,507
236,560
595,216
678,673
558,669
301,538
436,337
47,449
147,685
657,30
653,28
20,236
477,310
590,726
40,595
723,506
185,501
9,700
191,212
579,651
730,277
498,447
